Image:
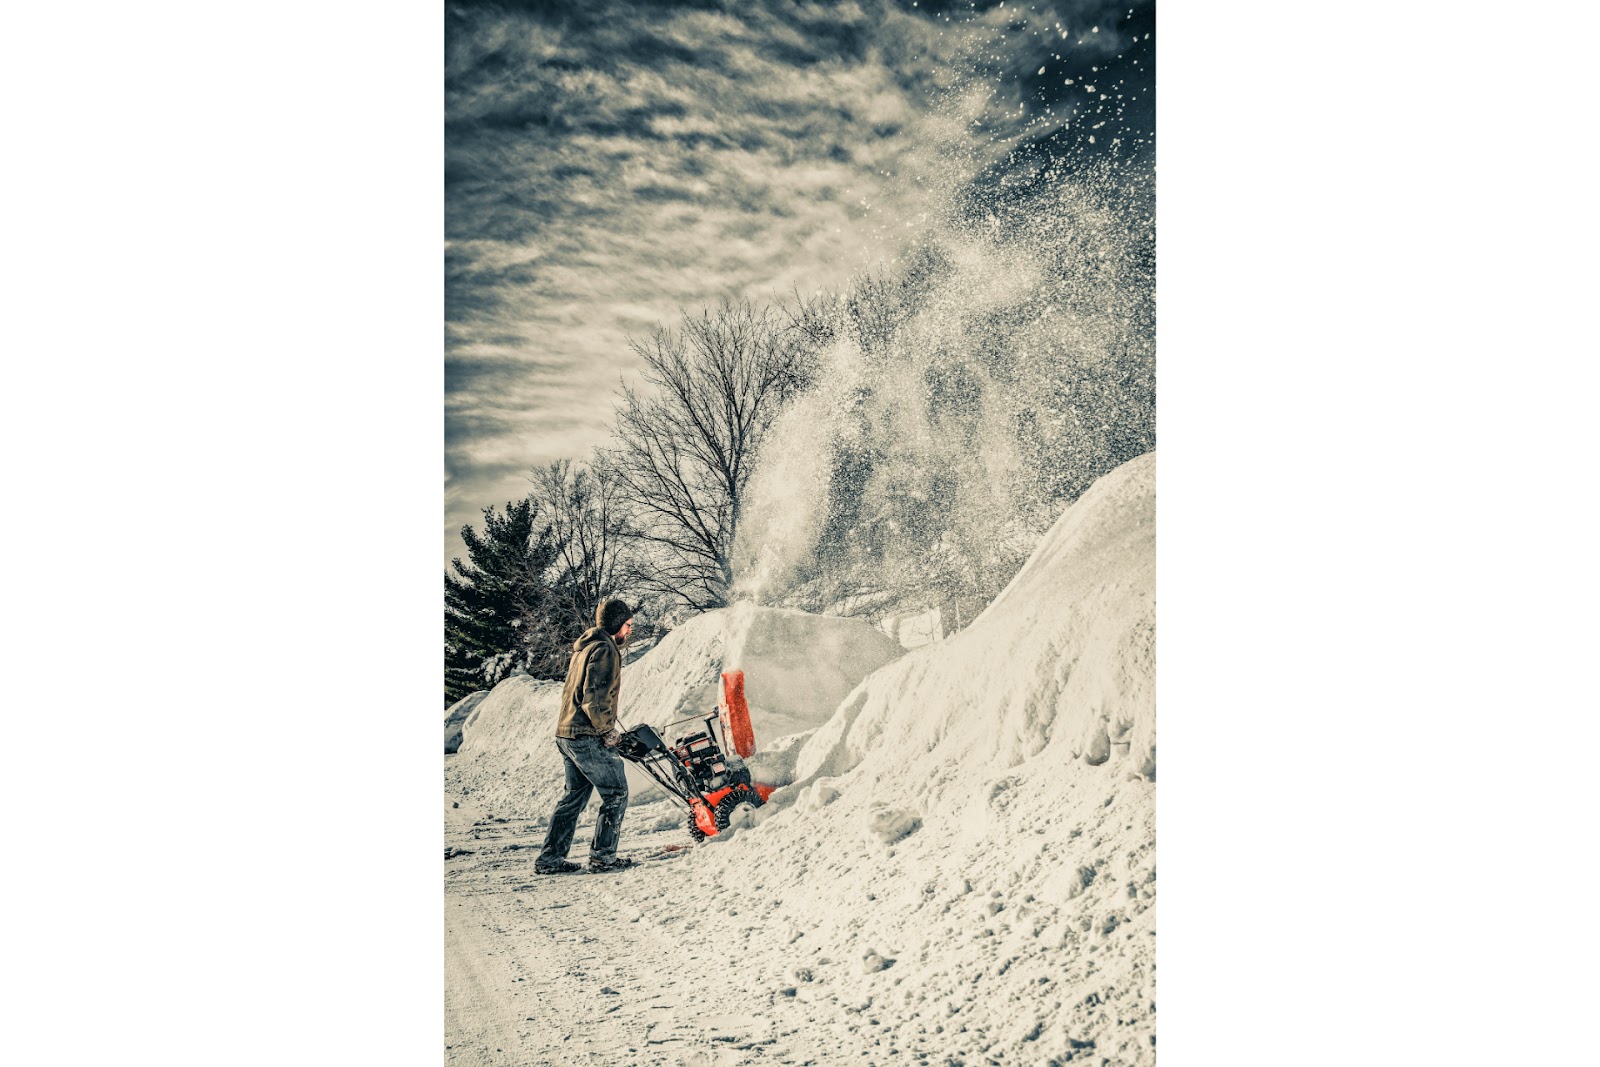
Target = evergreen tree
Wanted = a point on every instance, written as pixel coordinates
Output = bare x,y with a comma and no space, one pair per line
497,604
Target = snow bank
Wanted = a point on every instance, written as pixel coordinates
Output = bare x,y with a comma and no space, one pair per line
456,715
968,856
798,668
1061,664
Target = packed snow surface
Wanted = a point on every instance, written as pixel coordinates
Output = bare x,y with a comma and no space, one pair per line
963,871
798,667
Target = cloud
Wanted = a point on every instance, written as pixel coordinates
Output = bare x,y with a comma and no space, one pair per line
608,164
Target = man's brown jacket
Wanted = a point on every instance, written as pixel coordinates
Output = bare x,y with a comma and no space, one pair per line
594,678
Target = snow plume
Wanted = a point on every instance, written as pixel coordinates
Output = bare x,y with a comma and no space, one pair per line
1002,357
965,395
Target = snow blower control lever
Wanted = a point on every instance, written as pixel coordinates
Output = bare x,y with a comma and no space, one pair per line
697,771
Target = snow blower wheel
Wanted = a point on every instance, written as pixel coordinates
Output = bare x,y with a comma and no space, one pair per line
727,805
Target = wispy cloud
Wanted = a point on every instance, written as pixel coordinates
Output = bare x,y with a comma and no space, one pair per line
610,163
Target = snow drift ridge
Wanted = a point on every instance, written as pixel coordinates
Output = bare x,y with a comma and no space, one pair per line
1060,666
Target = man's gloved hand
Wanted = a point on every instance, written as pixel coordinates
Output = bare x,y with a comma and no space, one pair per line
612,738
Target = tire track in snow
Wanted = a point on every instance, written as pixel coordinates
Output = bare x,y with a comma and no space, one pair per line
478,1026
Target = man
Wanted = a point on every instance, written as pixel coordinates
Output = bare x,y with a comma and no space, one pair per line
587,735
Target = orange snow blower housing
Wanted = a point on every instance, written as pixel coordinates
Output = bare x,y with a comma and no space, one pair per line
709,782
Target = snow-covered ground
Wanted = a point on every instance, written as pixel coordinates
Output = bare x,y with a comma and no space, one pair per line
962,871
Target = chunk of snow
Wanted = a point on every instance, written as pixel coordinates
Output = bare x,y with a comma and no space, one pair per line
891,826
873,962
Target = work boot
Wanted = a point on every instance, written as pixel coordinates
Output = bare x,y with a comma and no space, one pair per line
555,867
611,863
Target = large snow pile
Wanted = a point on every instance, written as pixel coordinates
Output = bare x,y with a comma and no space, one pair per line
1064,657
965,865
798,668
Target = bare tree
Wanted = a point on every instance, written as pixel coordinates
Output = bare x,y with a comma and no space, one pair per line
684,451
594,558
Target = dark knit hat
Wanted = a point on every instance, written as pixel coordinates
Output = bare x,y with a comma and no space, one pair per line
611,614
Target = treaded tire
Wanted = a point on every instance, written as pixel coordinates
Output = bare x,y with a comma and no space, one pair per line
726,805
695,832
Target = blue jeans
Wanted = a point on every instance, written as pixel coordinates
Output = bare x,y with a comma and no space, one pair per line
590,766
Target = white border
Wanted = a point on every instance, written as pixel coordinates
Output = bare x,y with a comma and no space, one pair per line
1376,567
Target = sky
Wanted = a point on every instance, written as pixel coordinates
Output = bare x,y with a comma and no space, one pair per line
609,165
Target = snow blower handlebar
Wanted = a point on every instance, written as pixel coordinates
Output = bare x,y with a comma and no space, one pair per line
642,746
638,742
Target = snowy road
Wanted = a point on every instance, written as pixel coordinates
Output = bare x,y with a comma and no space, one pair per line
567,969
698,959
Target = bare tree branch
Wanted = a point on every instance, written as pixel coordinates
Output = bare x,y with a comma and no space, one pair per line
684,451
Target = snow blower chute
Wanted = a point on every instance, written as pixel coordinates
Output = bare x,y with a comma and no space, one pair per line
696,769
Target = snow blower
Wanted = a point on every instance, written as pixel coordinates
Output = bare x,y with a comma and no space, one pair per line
696,769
